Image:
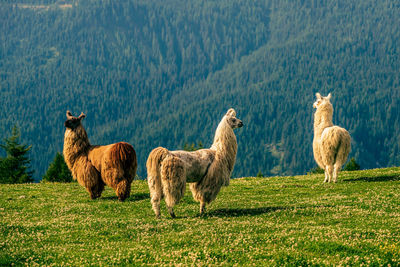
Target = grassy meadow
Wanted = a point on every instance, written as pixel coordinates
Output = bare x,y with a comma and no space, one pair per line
255,221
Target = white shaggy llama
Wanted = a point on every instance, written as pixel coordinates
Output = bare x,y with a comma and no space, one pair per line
331,144
206,169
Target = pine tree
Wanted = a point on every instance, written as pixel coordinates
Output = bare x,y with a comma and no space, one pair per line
15,167
58,171
352,165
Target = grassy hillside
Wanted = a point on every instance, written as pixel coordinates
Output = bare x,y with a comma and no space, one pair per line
264,221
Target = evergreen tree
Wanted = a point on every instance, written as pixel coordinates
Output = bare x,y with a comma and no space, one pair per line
316,170
352,165
15,167
58,171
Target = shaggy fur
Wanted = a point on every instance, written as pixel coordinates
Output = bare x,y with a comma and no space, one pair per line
206,169
95,166
331,144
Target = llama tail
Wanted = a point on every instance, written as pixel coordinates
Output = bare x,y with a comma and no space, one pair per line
173,180
153,166
123,155
343,149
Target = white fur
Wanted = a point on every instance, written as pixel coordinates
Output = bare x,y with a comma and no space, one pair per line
206,169
331,144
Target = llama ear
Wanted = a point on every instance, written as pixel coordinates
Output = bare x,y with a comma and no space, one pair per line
82,116
318,95
231,112
69,114
329,96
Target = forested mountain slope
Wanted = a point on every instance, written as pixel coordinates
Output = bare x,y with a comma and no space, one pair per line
164,72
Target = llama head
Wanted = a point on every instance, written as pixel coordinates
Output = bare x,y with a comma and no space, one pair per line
73,122
232,120
322,101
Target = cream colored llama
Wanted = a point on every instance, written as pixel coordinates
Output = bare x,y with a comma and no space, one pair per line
331,144
94,166
206,169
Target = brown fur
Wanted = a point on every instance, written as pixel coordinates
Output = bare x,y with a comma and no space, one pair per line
95,166
331,144
206,169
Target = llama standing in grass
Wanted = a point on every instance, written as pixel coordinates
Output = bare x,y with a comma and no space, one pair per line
331,144
95,166
206,169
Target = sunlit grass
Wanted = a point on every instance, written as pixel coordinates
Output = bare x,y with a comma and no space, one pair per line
262,221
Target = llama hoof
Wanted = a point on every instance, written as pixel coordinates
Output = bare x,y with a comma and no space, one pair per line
93,197
171,212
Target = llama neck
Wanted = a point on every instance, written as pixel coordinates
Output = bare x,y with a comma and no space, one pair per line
225,145
76,144
322,120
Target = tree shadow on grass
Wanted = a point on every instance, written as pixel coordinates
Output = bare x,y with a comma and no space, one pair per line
374,179
133,197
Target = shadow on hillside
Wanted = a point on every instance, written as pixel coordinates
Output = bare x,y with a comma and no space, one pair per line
244,212
133,197
374,179
256,211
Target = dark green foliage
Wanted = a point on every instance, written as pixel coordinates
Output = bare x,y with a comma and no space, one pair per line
157,73
193,147
58,171
260,175
316,170
15,167
352,165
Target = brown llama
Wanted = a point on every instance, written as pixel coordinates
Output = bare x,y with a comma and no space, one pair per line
206,169
95,166
331,144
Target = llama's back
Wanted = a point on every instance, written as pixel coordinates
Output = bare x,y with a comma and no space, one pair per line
335,145
115,162
196,162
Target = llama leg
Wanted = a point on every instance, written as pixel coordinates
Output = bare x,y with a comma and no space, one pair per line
329,171
90,178
98,189
202,208
92,194
95,190
336,169
326,176
155,193
123,189
155,203
205,192
171,212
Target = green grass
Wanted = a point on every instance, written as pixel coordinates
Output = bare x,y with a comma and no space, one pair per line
261,221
